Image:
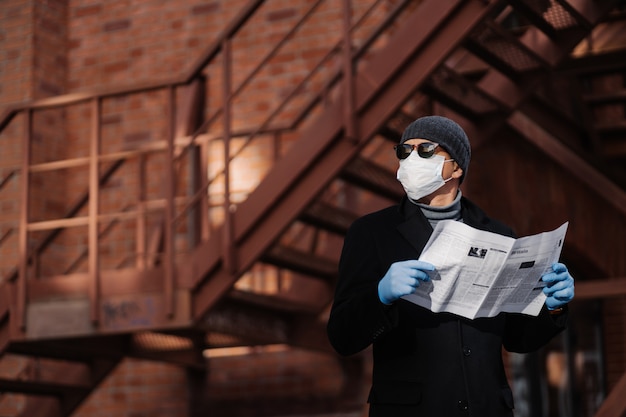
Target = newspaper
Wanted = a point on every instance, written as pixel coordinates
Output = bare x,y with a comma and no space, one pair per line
480,274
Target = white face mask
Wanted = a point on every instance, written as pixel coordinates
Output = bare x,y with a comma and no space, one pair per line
421,176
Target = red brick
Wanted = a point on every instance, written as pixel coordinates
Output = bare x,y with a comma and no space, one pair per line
177,24
87,10
137,137
13,54
51,26
205,8
117,66
74,43
281,15
116,25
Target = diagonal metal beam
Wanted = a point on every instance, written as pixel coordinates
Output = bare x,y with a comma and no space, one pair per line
575,165
614,405
56,399
424,40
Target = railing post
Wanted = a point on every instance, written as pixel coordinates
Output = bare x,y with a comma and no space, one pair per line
169,206
94,202
229,247
205,216
23,226
348,76
140,238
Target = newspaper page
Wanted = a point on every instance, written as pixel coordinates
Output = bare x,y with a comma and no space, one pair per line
480,274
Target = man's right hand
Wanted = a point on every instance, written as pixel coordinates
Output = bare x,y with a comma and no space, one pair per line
402,278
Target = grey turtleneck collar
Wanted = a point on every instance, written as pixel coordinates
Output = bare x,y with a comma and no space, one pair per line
435,214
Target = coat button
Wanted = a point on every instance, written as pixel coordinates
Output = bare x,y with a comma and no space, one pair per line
467,351
463,406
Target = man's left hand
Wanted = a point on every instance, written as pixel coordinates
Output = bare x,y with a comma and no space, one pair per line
559,287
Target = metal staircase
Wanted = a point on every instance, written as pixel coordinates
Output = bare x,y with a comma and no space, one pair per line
189,285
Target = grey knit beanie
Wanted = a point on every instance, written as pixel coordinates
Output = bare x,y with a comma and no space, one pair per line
446,133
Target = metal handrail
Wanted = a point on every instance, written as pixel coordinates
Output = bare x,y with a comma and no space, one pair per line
74,98
118,158
96,97
264,126
221,45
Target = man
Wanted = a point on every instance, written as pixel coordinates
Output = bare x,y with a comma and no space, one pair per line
430,364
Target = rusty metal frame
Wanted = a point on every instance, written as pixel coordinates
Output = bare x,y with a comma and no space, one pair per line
93,160
20,310
270,208
229,249
570,161
94,201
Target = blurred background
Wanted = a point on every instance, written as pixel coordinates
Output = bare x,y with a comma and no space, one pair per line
176,178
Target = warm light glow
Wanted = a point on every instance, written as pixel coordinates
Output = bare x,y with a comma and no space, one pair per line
243,350
556,369
152,341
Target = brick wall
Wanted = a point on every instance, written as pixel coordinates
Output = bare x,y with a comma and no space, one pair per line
34,42
50,69
139,389
16,51
16,55
119,42
54,47
33,45
274,383
265,382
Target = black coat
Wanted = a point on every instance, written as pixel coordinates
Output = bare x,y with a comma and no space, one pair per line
425,364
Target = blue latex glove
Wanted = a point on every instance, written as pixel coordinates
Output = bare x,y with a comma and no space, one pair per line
559,287
402,278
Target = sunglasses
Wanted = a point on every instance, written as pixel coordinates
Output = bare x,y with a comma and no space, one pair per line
424,150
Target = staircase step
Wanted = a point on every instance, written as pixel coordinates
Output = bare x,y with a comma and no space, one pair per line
373,177
43,388
328,217
50,384
503,51
261,320
84,350
274,302
535,14
459,94
301,261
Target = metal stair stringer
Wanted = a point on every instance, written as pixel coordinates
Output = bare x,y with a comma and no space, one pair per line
510,93
419,46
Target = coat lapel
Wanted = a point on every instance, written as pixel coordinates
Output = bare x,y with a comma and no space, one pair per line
415,227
